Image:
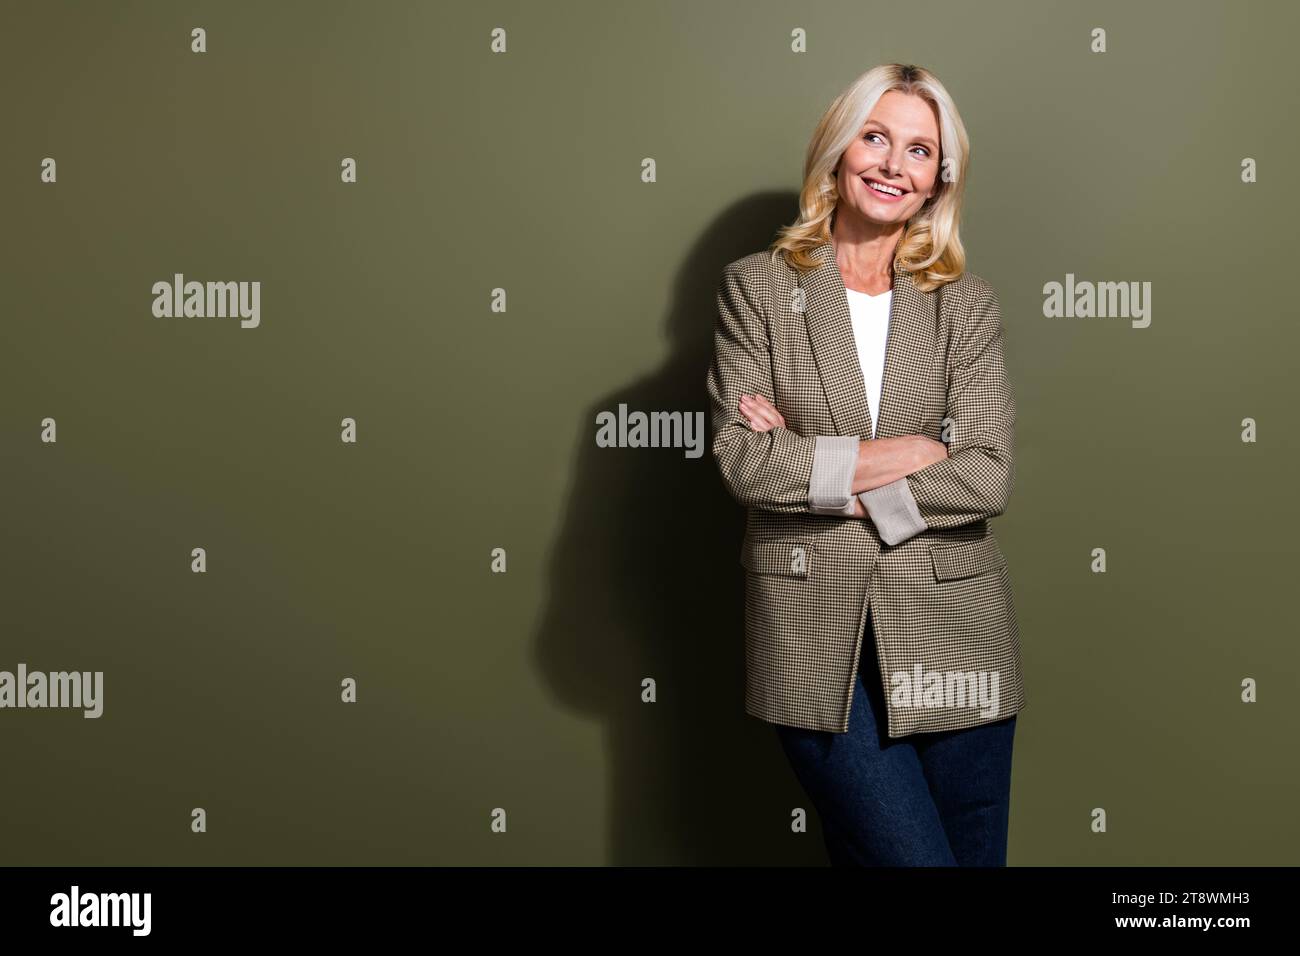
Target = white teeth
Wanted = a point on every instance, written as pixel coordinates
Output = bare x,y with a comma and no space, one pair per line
885,189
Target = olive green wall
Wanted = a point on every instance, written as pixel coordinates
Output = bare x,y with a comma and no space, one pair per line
475,428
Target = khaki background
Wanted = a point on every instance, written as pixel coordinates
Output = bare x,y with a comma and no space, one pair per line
521,171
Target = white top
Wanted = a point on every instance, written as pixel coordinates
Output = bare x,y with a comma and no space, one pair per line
870,331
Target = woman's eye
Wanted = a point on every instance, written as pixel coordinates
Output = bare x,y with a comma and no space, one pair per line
925,153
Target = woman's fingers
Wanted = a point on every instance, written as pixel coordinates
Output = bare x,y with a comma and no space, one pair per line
772,413
761,413
753,414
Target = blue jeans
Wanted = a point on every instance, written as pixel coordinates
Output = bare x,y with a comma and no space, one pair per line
927,799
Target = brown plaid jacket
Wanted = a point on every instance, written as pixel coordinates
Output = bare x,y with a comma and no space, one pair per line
941,604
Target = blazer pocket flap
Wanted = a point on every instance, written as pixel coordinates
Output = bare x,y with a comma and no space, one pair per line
966,559
789,557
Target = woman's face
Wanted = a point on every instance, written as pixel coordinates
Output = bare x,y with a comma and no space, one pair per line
898,147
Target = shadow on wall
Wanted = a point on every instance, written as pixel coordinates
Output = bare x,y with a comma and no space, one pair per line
645,581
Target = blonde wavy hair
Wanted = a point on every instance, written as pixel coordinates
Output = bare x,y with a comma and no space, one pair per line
931,248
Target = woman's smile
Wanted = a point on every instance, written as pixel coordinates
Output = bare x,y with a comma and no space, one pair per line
885,192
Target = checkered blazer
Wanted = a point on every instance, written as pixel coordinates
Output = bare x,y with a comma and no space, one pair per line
945,627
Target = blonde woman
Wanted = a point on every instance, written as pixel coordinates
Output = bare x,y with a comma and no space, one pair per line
863,416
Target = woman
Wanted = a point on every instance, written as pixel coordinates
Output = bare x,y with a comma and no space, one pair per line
862,414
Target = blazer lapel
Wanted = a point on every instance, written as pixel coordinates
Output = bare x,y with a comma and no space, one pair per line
909,349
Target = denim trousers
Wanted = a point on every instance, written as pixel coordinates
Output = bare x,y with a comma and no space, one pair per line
927,799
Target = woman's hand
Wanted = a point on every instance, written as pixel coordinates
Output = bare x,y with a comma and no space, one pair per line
761,413
911,452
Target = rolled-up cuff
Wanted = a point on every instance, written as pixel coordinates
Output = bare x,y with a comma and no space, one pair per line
830,486
893,511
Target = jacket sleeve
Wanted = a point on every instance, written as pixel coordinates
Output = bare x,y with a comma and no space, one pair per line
769,470
974,481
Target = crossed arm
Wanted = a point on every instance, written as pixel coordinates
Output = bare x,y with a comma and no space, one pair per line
867,473
905,485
